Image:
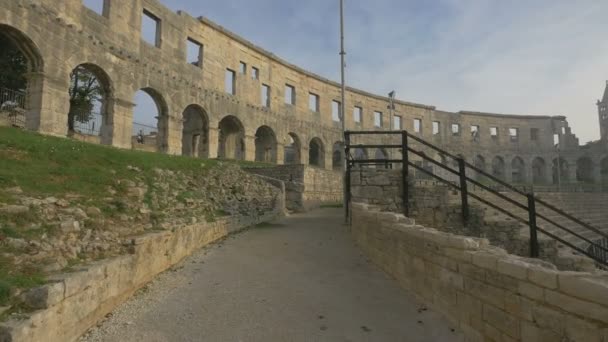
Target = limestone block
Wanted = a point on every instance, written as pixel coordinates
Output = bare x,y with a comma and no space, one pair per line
513,267
592,289
485,260
532,333
531,291
543,277
501,320
581,330
548,318
576,306
488,294
461,242
45,296
519,306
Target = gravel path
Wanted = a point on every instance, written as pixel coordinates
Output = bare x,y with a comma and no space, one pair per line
299,279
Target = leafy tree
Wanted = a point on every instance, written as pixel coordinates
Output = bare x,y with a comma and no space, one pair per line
85,93
13,66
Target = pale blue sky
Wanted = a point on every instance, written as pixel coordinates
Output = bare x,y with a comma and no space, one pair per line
546,57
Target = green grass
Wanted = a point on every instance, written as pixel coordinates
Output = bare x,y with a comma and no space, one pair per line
44,166
51,166
9,279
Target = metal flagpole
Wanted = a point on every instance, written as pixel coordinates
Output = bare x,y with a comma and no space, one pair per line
343,107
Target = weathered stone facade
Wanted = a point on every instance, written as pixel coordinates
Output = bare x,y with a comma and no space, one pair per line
489,294
306,187
58,36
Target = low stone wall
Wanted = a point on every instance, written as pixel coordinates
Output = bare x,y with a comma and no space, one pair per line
74,302
306,187
489,294
434,204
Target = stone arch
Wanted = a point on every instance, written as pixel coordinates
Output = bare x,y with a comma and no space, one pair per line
498,167
22,97
25,45
91,95
150,132
293,150
604,172
518,170
338,156
559,168
584,170
381,154
539,171
195,132
265,145
316,153
480,162
231,138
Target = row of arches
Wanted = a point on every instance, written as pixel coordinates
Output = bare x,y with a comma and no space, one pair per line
557,170
90,115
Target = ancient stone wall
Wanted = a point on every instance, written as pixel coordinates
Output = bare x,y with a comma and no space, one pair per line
487,293
74,302
306,187
57,36
434,204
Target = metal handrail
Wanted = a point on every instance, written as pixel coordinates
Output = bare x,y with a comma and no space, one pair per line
464,179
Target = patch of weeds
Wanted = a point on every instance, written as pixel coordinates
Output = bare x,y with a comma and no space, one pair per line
5,292
9,232
184,196
221,213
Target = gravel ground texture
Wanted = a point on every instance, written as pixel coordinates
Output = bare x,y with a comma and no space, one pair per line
298,279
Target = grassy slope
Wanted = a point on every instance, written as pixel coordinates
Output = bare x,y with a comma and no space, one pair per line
45,166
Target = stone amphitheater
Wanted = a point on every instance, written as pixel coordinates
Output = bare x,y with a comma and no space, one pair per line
240,101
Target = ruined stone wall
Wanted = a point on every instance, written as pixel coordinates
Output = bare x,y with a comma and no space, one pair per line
71,303
487,293
57,36
307,187
434,204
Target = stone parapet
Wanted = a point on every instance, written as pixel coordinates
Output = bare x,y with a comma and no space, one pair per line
489,294
71,303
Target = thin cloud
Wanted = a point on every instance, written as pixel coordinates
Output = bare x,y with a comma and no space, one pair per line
534,57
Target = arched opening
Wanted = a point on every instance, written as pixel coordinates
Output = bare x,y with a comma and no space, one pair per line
292,150
381,155
498,168
360,154
338,156
20,94
480,163
518,171
231,139
560,171
539,171
316,153
150,120
584,170
91,104
195,132
265,145
604,172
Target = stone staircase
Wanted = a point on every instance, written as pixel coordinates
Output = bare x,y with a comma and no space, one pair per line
591,208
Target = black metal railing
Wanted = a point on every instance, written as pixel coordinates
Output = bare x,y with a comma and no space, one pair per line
12,104
88,124
528,202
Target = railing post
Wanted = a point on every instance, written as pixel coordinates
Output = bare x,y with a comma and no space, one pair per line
534,253
347,175
405,173
464,192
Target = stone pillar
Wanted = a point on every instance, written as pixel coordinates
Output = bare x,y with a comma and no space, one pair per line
329,159
47,105
597,173
508,171
174,129
214,142
249,148
280,154
120,119
304,156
